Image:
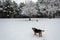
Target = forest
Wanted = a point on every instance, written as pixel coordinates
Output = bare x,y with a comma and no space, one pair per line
39,9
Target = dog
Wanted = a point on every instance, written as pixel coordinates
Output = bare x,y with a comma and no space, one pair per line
39,31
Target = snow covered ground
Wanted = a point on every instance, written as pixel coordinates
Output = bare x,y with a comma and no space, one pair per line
21,29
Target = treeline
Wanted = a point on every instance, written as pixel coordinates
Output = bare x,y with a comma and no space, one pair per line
9,9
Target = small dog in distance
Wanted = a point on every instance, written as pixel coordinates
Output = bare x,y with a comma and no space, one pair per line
39,31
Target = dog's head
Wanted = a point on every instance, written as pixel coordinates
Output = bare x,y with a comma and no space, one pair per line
33,28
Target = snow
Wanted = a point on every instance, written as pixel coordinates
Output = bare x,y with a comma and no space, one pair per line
21,29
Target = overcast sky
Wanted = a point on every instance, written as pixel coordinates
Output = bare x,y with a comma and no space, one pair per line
18,1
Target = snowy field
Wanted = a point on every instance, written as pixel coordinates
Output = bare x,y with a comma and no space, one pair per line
21,29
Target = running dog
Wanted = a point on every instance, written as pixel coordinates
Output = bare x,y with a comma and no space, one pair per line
39,31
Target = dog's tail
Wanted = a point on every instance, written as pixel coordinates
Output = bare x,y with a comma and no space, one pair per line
42,30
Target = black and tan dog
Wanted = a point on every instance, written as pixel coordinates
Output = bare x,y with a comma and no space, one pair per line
35,30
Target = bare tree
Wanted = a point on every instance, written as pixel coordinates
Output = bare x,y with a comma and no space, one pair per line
29,10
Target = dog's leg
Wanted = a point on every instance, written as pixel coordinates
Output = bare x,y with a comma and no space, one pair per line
34,33
40,34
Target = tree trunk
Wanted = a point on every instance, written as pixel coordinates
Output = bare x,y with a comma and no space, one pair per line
12,15
29,18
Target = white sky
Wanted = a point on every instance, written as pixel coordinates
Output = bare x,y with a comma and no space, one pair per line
18,1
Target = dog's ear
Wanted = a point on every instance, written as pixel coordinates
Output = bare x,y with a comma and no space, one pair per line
33,28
